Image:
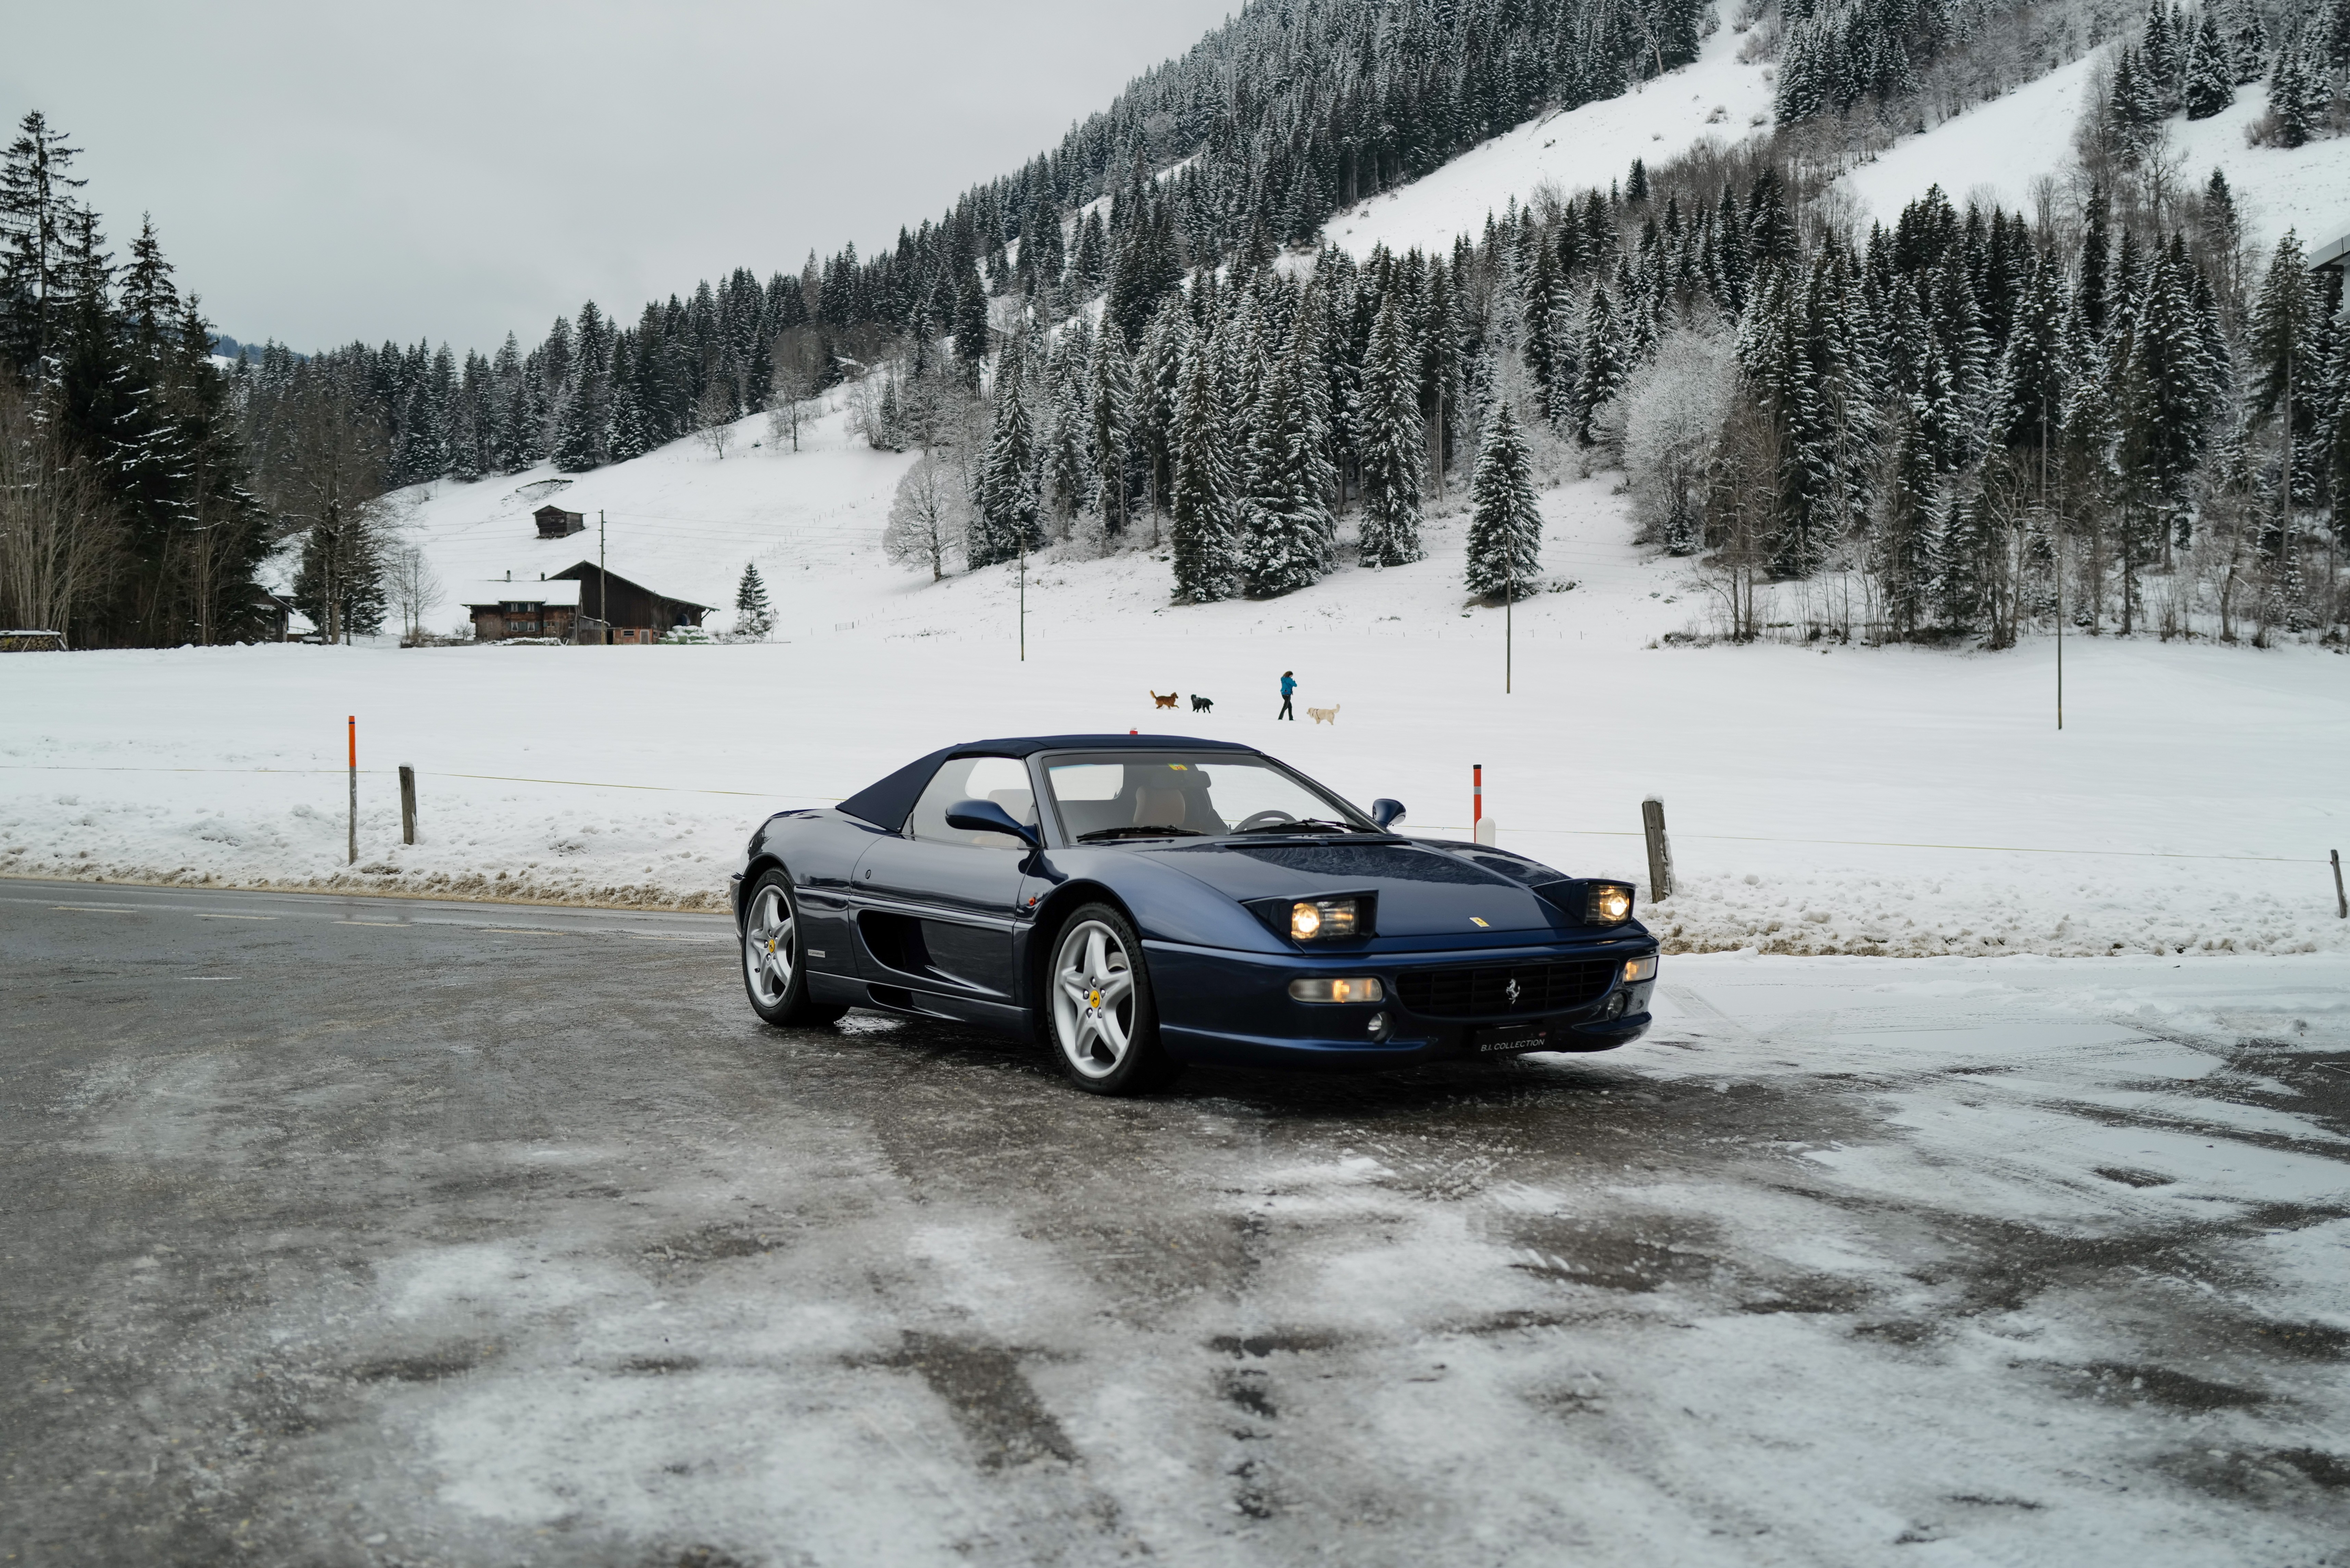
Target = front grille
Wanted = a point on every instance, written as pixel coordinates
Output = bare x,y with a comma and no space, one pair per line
1484,991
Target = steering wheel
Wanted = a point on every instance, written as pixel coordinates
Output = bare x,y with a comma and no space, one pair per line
1267,818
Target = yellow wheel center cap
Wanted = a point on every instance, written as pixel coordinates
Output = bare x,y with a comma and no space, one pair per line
1093,1000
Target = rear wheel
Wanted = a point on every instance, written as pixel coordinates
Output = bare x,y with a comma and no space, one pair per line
1103,1019
771,971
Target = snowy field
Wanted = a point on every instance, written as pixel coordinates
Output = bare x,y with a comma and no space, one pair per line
1903,801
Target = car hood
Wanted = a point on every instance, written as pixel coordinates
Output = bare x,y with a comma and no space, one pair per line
1425,890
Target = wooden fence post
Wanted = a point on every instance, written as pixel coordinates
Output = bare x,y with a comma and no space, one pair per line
406,804
2341,902
1660,850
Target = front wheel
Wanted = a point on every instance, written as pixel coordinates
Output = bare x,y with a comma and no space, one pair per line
771,971
1104,1020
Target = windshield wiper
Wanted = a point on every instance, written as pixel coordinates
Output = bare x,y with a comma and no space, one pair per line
1300,824
1139,832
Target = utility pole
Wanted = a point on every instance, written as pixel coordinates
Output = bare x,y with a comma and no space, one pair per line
2055,551
1024,593
602,591
1509,611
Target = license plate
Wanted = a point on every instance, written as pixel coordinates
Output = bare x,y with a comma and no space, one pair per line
1513,1037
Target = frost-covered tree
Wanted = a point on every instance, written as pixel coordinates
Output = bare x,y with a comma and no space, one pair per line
1674,410
1505,522
927,515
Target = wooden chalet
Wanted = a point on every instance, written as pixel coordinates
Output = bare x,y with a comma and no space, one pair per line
506,608
555,522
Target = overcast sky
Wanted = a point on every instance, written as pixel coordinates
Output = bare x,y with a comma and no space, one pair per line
325,172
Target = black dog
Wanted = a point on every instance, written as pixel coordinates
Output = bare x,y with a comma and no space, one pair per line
1202,704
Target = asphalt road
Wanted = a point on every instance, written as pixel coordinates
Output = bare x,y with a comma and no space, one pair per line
349,1231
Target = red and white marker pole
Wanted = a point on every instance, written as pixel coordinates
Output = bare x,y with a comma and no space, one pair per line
355,790
1476,797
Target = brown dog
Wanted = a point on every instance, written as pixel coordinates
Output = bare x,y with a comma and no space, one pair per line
1166,702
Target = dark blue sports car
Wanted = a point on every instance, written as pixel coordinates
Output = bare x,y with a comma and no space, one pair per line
1144,901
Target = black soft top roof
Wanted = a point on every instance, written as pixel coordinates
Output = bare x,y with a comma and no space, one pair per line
888,801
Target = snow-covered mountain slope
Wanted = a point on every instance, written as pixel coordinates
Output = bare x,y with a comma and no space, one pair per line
1716,97
683,521
2005,146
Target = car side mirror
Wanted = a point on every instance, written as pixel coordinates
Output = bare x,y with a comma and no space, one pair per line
1387,813
986,817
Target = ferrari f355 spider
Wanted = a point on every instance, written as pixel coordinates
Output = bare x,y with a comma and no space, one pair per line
1145,901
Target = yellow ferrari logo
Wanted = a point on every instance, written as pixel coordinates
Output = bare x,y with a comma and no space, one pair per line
1093,999
1475,921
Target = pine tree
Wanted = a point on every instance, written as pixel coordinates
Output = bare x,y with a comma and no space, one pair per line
1906,547
971,328
1204,533
1391,437
1506,524
1285,515
1003,521
2210,84
753,617
1109,414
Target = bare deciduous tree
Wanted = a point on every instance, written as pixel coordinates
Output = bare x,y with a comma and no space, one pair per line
927,516
413,586
714,414
55,533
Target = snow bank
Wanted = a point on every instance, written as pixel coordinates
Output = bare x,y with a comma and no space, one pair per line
1806,791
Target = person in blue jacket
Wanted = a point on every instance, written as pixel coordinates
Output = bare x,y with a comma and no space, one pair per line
1288,687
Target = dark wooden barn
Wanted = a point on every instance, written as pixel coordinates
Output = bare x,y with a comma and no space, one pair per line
634,612
555,522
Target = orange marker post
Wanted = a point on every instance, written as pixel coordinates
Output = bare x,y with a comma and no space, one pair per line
355,790
1476,797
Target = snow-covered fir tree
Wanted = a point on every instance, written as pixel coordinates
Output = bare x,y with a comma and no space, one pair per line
1505,522
1391,435
754,618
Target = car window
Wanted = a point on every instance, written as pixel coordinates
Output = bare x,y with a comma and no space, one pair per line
1003,780
1209,792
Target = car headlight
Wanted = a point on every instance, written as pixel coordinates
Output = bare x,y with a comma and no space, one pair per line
1353,987
1608,903
1640,969
1322,920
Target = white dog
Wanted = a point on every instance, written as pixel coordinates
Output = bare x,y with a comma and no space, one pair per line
1324,715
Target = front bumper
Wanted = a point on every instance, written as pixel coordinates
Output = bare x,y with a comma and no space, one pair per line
1233,1008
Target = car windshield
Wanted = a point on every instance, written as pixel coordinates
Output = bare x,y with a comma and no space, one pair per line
1177,794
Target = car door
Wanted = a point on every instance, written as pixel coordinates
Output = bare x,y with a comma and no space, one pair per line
937,907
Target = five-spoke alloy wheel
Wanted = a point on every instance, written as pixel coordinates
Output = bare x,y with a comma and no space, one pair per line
1100,1007
771,952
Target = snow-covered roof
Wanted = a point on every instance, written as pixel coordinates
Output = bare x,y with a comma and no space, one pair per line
563,594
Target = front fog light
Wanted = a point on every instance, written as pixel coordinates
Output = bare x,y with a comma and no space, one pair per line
1322,920
1379,1025
1640,969
1362,988
1608,904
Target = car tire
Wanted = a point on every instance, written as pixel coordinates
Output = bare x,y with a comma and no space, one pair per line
773,975
1099,1015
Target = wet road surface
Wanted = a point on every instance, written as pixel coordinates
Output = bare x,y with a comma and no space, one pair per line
371,1231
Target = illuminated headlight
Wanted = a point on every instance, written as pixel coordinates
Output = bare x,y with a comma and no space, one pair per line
1362,988
1322,920
1640,969
1608,903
